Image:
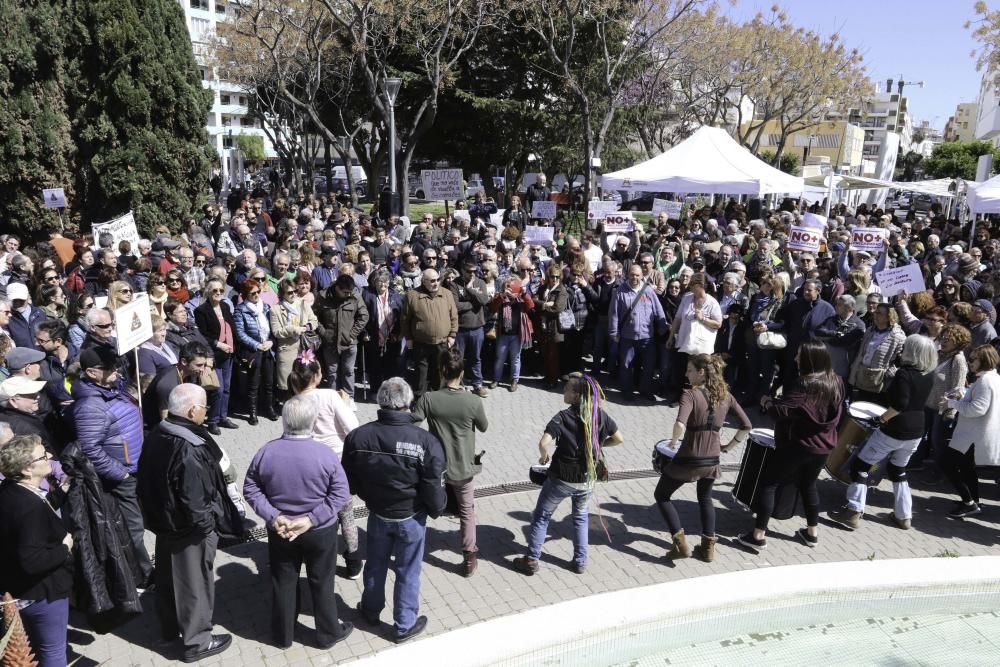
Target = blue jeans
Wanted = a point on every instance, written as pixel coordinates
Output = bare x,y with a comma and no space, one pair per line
554,491
508,347
45,624
219,409
632,351
470,343
404,542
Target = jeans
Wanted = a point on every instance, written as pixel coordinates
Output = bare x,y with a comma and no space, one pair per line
554,491
961,472
632,353
470,343
402,541
340,368
465,494
219,409
605,349
128,502
874,451
667,487
508,348
45,623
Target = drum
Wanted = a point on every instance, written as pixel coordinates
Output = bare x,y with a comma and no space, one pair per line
663,454
854,431
760,447
538,474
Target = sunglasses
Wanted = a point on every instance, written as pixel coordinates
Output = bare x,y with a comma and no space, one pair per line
173,280
124,291
254,293
199,262
216,291
104,326
52,278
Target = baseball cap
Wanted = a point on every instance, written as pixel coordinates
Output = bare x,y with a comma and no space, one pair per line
17,291
953,248
20,357
98,357
19,385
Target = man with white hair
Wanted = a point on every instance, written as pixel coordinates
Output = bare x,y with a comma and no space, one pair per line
184,501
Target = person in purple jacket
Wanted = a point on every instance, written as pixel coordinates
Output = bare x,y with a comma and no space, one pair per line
297,485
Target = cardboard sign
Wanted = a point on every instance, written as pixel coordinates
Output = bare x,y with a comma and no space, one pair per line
803,238
535,235
54,198
496,219
122,229
133,323
461,214
903,278
543,210
443,183
814,221
598,209
621,221
867,238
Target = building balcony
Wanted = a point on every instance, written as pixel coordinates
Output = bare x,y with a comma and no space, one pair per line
988,125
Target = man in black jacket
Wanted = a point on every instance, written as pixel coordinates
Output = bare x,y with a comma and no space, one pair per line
471,298
184,500
398,470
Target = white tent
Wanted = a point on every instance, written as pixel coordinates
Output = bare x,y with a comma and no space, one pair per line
708,162
985,197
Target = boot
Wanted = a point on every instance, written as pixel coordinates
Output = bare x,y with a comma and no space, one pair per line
680,548
846,517
268,401
355,564
252,419
706,550
471,560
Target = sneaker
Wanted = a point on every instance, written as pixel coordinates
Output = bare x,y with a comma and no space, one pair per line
962,510
214,429
846,517
747,540
902,524
578,568
513,386
417,628
491,385
482,392
806,539
525,565
355,565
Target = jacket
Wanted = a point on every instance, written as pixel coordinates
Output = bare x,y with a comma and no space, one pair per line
208,325
798,320
180,484
108,428
429,318
178,336
397,468
471,303
800,421
34,562
107,573
979,420
341,321
395,305
247,331
22,329
842,339
645,319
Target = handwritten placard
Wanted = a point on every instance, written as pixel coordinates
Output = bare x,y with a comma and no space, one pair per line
867,238
803,238
598,209
621,221
121,229
903,278
443,183
543,210
536,235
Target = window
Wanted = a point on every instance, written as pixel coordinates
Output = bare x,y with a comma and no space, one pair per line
224,99
891,128
246,122
243,101
199,4
894,98
227,141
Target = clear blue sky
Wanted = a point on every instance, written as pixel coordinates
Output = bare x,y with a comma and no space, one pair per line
923,40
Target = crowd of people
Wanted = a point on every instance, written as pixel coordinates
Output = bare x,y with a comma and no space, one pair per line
296,308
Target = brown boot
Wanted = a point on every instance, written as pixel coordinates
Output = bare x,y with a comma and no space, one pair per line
680,548
706,550
470,563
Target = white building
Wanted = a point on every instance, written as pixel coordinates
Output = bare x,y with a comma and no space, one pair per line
230,115
886,113
988,111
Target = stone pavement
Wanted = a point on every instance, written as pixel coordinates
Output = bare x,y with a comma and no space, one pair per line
627,543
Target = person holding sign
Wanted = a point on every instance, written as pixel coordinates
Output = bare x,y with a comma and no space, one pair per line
537,191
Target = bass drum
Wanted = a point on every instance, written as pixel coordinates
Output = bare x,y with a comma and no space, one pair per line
760,448
854,431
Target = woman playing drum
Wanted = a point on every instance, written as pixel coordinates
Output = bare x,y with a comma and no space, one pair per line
805,431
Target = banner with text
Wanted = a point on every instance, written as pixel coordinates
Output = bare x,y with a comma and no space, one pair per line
543,210
133,323
621,221
535,235
803,238
598,209
671,208
443,183
907,279
496,219
867,238
54,197
121,229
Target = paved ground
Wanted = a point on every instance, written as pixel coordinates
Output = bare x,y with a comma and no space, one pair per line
628,541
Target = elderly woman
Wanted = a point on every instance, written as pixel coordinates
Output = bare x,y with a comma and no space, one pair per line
763,308
214,319
976,440
899,433
949,379
383,344
289,320
877,355
254,355
298,486
553,299
911,309
304,288
155,354
36,565
181,329
512,304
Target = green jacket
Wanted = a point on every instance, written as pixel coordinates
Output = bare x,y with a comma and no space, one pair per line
453,416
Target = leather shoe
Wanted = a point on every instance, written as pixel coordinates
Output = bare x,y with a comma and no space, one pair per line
252,420
417,628
218,644
228,423
345,631
214,429
369,618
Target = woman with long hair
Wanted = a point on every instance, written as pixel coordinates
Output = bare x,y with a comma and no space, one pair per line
156,288
254,344
76,279
214,319
580,434
516,216
806,417
899,433
703,410
859,285
77,316
119,293
334,420
949,379
177,287
52,300
946,293
553,299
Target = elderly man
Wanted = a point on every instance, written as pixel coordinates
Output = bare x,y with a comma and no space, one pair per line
193,275
19,408
297,485
650,275
730,294
100,326
398,469
635,316
842,333
342,319
430,325
185,504
23,315
326,272
279,271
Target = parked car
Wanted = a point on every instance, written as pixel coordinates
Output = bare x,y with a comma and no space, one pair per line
903,200
921,202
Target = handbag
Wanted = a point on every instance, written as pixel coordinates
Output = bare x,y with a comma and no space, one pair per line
601,470
309,340
567,321
871,380
771,340
209,380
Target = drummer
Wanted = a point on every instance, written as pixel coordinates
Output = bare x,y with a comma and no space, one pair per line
901,427
805,432
703,409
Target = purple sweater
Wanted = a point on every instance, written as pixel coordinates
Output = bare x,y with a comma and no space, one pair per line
296,476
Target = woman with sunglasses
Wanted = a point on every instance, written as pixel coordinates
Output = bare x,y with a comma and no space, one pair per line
156,288
214,319
52,300
119,293
255,354
289,320
946,293
76,314
177,288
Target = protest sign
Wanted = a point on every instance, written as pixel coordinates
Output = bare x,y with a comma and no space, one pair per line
671,208
461,214
535,235
901,279
54,197
121,229
803,238
814,221
133,323
443,183
620,221
543,210
867,238
599,209
496,219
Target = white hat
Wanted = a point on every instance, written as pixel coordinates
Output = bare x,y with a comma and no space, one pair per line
954,248
19,385
17,291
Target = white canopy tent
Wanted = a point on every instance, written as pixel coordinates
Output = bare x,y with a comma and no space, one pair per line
984,197
710,162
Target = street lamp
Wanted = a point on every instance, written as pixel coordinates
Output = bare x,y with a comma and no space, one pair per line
392,86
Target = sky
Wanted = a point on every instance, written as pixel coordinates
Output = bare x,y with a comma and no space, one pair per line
922,40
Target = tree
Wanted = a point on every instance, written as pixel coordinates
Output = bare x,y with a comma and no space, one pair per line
788,163
909,167
986,30
958,159
252,147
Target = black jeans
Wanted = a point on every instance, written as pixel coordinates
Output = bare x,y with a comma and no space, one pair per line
961,472
260,383
790,465
426,360
667,486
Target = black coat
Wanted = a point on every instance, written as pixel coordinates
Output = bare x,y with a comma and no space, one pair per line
208,325
34,562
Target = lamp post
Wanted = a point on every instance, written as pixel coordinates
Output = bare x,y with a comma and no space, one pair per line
392,86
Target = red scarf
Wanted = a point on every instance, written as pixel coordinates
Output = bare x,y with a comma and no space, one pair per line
181,294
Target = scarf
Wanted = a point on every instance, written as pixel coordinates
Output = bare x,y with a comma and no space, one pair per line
262,323
385,319
181,294
162,350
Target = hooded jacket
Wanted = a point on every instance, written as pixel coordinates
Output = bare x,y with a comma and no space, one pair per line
108,428
801,421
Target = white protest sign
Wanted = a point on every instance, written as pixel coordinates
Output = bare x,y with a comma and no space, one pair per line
903,278
133,323
673,210
803,238
443,183
620,221
659,206
867,238
543,210
121,229
496,219
814,221
461,214
535,235
598,209
54,197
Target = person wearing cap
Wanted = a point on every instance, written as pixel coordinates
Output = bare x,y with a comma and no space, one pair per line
861,260
19,407
968,269
951,255
326,272
23,315
109,433
981,321
26,362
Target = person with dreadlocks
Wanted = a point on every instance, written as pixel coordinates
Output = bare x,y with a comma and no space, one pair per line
580,433
703,410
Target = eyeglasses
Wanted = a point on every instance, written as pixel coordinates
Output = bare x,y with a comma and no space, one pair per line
429,257
173,280
216,291
30,397
44,457
51,278
646,261
42,341
290,292
199,262
254,293
104,326
124,291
